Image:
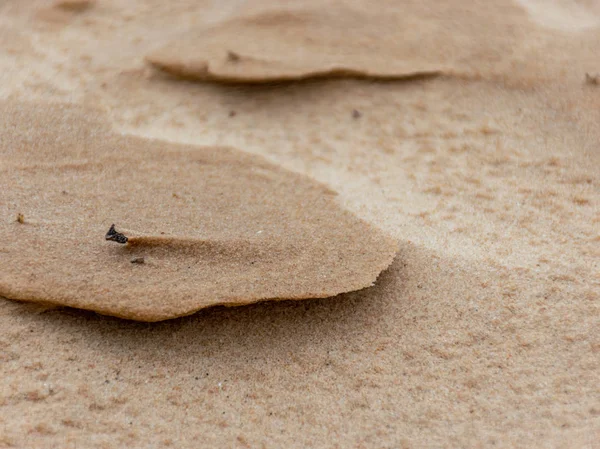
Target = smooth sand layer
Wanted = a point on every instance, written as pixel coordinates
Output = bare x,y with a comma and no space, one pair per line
264,42
484,331
213,225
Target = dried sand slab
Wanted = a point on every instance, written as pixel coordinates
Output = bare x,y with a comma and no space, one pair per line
206,225
345,38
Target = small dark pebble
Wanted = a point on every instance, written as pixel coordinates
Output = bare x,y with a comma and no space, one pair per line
115,236
233,56
232,113
356,114
139,260
592,79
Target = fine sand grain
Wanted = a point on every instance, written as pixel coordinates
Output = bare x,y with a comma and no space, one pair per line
483,332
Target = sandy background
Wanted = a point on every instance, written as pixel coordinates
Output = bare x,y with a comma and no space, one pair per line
483,332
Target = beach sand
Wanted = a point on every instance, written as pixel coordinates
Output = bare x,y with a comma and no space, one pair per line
485,329
211,225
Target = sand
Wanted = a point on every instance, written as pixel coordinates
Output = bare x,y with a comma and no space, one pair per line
213,225
484,330
263,42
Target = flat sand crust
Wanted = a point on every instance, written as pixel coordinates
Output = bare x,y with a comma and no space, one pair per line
214,226
270,42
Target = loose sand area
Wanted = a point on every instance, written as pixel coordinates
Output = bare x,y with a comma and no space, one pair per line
416,184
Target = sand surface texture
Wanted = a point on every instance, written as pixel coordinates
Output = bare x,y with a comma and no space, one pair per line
220,227
263,42
484,331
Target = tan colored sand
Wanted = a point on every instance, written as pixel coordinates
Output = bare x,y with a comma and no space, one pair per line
484,332
215,226
266,41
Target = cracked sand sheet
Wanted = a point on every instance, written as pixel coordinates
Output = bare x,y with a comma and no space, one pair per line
214,226
265,42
